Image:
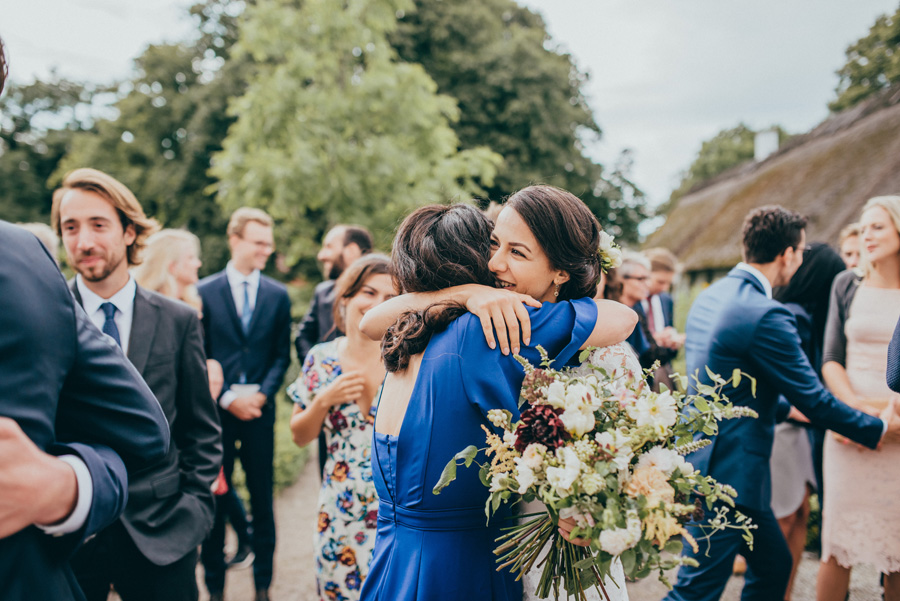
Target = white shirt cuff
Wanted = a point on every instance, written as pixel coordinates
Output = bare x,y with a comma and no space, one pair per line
82,506
885,428
227,399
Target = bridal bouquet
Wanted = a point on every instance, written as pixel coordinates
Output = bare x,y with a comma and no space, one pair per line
596,445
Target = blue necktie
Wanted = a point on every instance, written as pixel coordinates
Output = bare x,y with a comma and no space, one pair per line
109,326
247,311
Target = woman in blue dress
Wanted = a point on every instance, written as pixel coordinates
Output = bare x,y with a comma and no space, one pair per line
444,376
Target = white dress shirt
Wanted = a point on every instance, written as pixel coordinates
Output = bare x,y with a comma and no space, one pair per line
236,281
766,284
123,300
79,515
659,318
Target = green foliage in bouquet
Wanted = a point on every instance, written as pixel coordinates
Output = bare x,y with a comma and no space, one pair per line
599,448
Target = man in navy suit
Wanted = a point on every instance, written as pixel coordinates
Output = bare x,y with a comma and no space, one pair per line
60,380
247,320
735,324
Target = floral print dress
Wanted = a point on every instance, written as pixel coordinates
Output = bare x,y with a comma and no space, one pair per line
348,507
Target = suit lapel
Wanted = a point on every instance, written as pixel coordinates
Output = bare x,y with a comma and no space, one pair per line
228,299
143,329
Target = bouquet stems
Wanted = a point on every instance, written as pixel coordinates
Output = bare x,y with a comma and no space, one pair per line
521,548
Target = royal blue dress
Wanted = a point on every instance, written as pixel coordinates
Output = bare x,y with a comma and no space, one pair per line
440,547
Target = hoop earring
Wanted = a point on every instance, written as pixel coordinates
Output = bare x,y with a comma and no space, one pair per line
556,292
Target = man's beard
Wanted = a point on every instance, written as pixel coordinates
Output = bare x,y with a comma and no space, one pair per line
337,268
98,274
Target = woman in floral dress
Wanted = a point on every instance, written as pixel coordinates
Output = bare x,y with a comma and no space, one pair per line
336,392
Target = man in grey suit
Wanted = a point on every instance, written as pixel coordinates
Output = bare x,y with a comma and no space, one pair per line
151,553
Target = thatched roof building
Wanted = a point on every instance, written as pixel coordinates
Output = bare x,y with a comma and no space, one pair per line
827,174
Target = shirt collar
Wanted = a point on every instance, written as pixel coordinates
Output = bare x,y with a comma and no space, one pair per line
767,286
236,278
91,301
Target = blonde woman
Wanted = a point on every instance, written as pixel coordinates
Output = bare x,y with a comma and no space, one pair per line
861,523
171,264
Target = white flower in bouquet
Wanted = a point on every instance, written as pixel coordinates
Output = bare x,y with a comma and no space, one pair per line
578,420
616,541
533,456
524,476
665,460
657,410
555,394
498,418
592,483
562,478
497,483
509,438
618,444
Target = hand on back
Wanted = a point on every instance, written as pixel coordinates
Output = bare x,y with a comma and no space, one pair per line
503,311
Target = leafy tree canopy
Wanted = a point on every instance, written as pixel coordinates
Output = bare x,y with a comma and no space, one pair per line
333,127
873,63
171,117
519,96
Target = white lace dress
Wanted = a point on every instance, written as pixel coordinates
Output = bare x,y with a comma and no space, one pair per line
616,357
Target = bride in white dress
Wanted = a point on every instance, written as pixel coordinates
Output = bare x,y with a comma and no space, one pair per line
617,360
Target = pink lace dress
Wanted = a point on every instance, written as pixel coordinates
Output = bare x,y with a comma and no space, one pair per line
861,520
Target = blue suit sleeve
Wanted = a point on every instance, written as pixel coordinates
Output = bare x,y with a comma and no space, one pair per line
893,363
776,351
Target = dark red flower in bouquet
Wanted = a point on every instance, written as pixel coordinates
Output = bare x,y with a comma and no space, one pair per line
541,423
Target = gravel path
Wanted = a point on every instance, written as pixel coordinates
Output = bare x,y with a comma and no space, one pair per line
295,518
295,513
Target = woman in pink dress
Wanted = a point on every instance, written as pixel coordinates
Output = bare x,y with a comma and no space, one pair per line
861,523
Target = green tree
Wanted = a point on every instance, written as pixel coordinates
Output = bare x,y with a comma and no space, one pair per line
519,96
728,148
873,63
333,127
171,118
37,124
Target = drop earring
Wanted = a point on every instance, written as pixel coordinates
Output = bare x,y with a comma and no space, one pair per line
556,292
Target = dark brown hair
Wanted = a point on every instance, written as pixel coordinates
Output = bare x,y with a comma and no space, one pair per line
353,279
768,231
436,247
567,231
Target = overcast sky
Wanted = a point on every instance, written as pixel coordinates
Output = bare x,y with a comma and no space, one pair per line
665,74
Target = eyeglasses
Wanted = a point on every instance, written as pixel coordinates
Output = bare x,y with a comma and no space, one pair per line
640,278
805,248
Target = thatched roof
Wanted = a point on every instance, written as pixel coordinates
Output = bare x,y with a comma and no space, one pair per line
827,174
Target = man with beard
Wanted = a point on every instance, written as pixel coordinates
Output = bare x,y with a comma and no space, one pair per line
342,245
151,552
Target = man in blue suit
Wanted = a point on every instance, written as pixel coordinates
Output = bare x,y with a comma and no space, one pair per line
247,320
735,324
893,364
60,380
